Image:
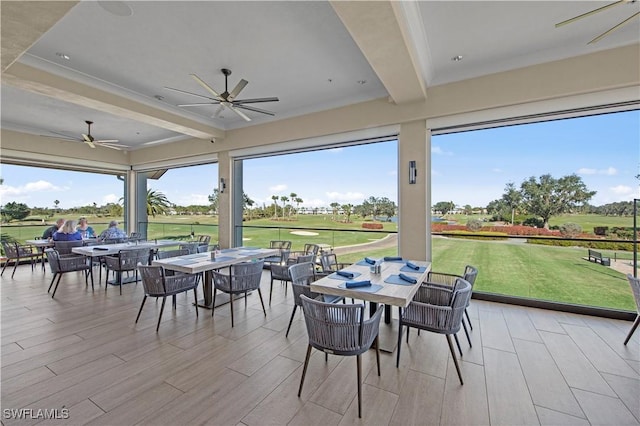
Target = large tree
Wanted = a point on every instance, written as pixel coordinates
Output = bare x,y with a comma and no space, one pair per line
15,211
512,198
444,207
157,202
547,196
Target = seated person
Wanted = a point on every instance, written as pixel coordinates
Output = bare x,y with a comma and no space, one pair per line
85,230
112,232
48,233
67,232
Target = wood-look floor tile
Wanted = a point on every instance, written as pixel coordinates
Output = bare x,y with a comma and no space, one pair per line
79,414
574,365
427,353
420,400
546,384
628,391
554,418
377,407
610,332
506,382
604,410
465,404
495,333
544,320
520,325
314,415
599,353
29,378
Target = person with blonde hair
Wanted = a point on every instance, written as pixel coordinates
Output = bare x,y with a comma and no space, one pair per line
85,230
68,232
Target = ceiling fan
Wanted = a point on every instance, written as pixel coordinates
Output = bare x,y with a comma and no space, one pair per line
600,9
90,140
227,99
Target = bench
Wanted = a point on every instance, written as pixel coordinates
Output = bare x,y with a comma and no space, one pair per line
596,256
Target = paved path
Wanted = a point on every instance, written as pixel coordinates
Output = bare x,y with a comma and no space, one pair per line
391,240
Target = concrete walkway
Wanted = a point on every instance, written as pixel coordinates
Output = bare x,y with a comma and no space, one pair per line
391,240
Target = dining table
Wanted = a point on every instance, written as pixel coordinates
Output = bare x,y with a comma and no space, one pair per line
392,281
204,263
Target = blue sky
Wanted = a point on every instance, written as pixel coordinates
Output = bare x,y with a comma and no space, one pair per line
467,168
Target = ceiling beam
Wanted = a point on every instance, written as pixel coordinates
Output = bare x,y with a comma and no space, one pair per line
35,80
382,36
23,22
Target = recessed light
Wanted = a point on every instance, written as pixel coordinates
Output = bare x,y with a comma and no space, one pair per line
457,58
63,56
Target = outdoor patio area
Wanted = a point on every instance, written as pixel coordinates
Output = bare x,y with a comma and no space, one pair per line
82,352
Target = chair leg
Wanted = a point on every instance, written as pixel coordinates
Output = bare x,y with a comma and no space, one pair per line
120,284
6,262
140,311
52,280
468,319
291,320
464,327
213,303
633,329
304,369
56,287
270,291
261,302
409,328
231,307
399,339
455,336
15,266
195,299
377,343
359,368
453,355
164,299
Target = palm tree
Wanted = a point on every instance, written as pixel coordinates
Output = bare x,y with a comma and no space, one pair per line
56,202
298,201
275,205
156,202
292,197
284,200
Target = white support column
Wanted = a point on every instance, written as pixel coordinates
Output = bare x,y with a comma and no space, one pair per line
414,205
225,206
131,200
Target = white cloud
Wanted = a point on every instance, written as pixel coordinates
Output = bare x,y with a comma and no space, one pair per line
621,190
315,202
496,170
111,198
346,196
278,188
29,188
609,171
336,150
194,199
393,173
439,151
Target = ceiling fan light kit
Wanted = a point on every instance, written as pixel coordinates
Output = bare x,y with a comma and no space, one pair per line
226,99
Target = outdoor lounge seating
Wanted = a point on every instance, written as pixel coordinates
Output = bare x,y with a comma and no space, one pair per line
16,253
60,265
596,256
157,283
340,330
436,309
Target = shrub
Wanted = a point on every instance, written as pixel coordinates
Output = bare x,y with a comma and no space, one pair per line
570,229
534,222
474,225
601,230
372,225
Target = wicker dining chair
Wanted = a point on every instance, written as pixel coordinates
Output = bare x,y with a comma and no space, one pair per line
307,250
126,260
284,247
157,283
17,252
60,265
281,273
65,248
340,330
302,275
635,287
165,254
428,312
241,279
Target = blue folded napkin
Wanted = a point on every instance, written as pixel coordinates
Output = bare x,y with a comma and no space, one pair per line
392,258
408,278
412,266
369,261
352,284
345,274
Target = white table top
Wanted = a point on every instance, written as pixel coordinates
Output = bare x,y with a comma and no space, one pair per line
108,249
389,294
39,243
200,262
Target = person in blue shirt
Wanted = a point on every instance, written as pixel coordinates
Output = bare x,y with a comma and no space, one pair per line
112,232
68,232
85,230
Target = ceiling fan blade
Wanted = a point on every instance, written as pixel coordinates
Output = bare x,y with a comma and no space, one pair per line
90,143
612,29
107,141
237,111
250,108
199,104
119,147
594,11
236,90
218,111
255,100
87,138
189,93
206,86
